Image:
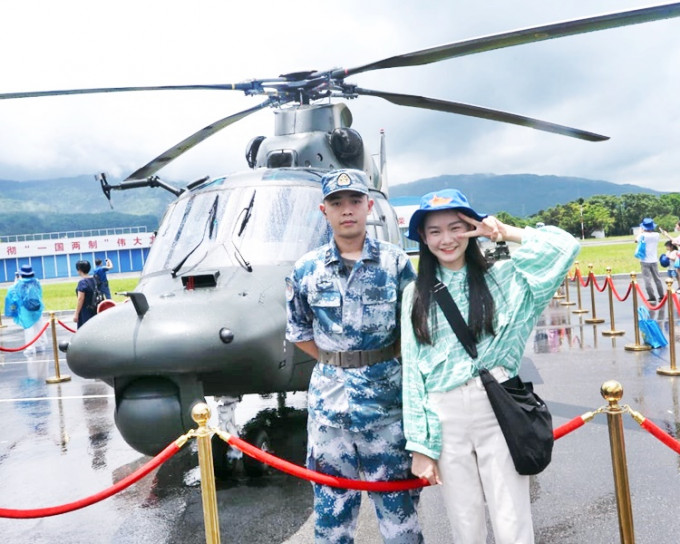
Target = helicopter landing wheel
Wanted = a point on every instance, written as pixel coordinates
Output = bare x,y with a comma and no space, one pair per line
224,464
260,439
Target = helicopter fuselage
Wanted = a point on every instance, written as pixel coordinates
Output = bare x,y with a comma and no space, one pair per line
208,316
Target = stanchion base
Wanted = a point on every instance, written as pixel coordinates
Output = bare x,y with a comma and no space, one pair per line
3,326
567,303
668,371
593,320
55,379
580,311
637,347
613,333
557,297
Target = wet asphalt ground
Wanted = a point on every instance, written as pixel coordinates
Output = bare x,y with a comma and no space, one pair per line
59,444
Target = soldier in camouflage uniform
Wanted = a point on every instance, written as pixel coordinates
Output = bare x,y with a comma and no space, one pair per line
343,309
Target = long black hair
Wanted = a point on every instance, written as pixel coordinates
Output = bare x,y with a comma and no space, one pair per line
481,312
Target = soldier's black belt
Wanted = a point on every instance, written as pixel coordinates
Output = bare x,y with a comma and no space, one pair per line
356,359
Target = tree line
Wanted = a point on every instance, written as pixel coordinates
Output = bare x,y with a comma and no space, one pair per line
614,215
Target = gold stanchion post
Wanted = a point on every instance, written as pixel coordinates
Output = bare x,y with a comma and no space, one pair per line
637,346
200,413
577,278
592,320
566,301
670,371
558,294
58,378
612,392
612,331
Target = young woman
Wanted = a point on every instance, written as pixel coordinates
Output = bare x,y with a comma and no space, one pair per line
448,421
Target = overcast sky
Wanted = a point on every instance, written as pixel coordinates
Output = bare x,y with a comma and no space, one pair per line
624,83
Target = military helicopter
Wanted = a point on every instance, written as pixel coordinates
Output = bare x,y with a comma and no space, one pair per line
208,315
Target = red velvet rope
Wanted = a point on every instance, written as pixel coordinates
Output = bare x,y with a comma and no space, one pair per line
676,302
318,477
659,433
568,427
163,456
650,306
360,485
611,286
604,285
65,326
14,350
580,278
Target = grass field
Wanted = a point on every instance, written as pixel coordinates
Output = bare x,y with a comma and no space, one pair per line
62,296
618,255
616,252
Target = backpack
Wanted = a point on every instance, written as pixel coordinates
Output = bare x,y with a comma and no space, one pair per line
30,296
97,296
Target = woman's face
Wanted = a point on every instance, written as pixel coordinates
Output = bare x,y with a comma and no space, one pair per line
442,234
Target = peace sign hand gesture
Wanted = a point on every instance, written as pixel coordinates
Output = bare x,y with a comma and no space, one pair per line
493,229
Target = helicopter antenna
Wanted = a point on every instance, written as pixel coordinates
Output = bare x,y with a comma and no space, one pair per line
383,164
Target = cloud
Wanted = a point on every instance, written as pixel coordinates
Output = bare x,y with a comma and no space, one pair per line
622,83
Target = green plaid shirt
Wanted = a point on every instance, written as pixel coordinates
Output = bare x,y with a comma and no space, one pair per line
521,288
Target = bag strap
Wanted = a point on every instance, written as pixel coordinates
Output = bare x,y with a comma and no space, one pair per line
460,327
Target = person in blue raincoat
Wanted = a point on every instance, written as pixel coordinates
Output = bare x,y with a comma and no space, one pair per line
24,303
343,302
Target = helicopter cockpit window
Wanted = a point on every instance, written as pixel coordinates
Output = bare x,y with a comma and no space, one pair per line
203,231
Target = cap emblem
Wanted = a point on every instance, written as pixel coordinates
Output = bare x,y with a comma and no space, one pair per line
439,200
344,180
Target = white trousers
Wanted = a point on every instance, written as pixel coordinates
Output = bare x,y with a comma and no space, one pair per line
475,465
30,333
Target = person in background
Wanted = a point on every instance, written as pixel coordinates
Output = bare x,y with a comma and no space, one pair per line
84,291
343,303
99,274
650,262
669,262
449,424
24,303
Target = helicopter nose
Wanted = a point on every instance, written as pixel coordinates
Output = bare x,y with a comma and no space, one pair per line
192,332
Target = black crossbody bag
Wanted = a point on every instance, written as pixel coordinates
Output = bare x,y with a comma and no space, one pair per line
522,415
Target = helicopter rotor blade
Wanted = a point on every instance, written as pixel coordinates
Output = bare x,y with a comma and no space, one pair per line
171,154
518,37
481,112
249,86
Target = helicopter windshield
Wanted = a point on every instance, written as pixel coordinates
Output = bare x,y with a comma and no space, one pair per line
284,223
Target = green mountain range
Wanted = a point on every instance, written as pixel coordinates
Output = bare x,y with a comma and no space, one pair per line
520,195
77,203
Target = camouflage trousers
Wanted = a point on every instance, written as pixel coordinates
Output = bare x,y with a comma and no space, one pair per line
378,455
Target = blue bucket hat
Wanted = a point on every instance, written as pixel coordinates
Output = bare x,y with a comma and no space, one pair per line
26,271
446,199
344,180
648,224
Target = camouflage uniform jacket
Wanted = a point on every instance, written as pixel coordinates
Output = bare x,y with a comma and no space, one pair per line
352,311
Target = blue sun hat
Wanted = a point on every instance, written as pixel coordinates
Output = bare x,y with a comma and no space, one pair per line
648,224
26,271
344,180
446,199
